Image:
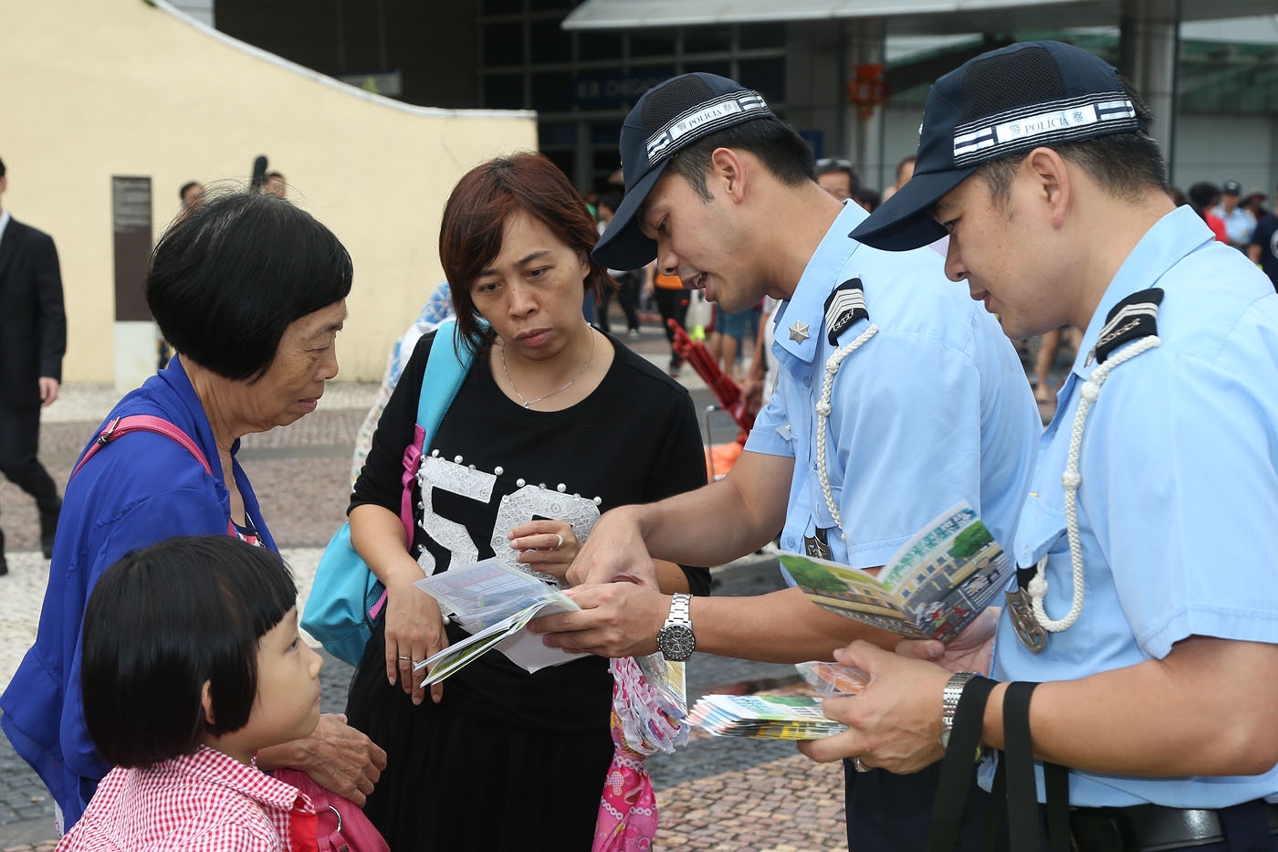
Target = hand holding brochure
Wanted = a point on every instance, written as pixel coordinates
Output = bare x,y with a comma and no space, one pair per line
495,603
932,588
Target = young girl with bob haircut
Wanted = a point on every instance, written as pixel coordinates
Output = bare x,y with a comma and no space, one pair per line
192,662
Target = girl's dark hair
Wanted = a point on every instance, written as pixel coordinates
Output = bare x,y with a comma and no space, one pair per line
475,216
163,621
227,279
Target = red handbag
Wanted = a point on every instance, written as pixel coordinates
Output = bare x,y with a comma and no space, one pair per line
340,824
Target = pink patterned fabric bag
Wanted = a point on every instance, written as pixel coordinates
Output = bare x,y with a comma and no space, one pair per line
645,719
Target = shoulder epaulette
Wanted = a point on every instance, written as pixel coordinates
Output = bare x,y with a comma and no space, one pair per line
1131,319
844,306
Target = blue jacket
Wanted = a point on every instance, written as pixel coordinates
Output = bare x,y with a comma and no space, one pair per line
140,489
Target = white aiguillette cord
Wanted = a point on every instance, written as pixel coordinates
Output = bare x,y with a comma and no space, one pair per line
823,416
1071,479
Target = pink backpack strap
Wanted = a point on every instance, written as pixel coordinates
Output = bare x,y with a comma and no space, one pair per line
121,426
412,458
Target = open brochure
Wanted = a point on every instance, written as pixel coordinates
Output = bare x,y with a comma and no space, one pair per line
494,603
763,717
932,587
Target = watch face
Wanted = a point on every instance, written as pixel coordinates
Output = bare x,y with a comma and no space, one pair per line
676,642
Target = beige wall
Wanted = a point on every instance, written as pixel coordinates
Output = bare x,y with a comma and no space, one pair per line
95,88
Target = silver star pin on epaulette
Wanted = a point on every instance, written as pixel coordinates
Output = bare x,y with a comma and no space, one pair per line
799,331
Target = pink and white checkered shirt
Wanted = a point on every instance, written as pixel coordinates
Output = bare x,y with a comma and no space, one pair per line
202,802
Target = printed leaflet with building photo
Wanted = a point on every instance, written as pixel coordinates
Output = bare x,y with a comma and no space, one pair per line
931,588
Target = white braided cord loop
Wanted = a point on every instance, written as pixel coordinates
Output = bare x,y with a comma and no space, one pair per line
823,416
1071,479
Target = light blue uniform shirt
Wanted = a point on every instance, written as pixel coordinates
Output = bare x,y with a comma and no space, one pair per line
933,409
1178,505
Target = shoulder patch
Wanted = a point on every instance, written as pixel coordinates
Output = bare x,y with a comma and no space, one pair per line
1131,319
844,306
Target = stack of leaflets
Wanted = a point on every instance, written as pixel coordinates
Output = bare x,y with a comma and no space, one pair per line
934,586
494,603
764,717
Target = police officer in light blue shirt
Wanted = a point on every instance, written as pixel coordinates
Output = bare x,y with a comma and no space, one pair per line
1148,602
932,409
897,399
1180,442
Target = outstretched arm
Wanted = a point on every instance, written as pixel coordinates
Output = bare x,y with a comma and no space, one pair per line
709,526
622,619
1204,709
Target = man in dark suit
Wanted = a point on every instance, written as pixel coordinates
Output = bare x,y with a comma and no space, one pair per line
33,338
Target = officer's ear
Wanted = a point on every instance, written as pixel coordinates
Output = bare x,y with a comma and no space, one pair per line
1053,183
728,171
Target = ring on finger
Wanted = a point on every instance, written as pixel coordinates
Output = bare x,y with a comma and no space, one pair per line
404,658
858,765
561,541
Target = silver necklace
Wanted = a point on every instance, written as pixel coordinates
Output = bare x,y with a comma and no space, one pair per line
594,342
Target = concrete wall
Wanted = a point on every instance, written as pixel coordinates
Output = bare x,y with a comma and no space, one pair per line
1223,147
95,88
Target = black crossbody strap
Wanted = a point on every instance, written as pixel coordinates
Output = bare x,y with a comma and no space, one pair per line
956,770
1023,821
1022,791
994,806
1056,787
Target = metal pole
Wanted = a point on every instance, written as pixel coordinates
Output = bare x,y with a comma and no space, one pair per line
1149,53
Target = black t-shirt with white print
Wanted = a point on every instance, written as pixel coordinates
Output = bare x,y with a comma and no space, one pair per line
493,465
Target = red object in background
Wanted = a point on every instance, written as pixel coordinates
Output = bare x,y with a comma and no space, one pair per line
869,89
699,357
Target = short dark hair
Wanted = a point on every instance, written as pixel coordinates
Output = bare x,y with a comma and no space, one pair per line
162,622
1123,164
829,165
868,198
1203,196
609,198
185,187
474,220
228,279
782,151
270,175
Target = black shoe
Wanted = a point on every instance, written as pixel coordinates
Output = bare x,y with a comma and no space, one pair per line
49,530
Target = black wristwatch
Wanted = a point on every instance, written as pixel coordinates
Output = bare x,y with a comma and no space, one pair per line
675,640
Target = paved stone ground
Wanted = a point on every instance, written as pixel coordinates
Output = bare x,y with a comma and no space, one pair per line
716,794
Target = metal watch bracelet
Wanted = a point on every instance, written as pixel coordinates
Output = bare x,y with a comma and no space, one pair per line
949,702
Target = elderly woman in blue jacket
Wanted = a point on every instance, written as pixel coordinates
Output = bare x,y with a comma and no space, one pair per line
251,293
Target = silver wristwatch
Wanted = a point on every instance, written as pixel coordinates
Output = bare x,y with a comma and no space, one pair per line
675,640
949,703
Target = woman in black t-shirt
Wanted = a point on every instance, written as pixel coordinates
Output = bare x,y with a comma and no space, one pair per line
554,423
